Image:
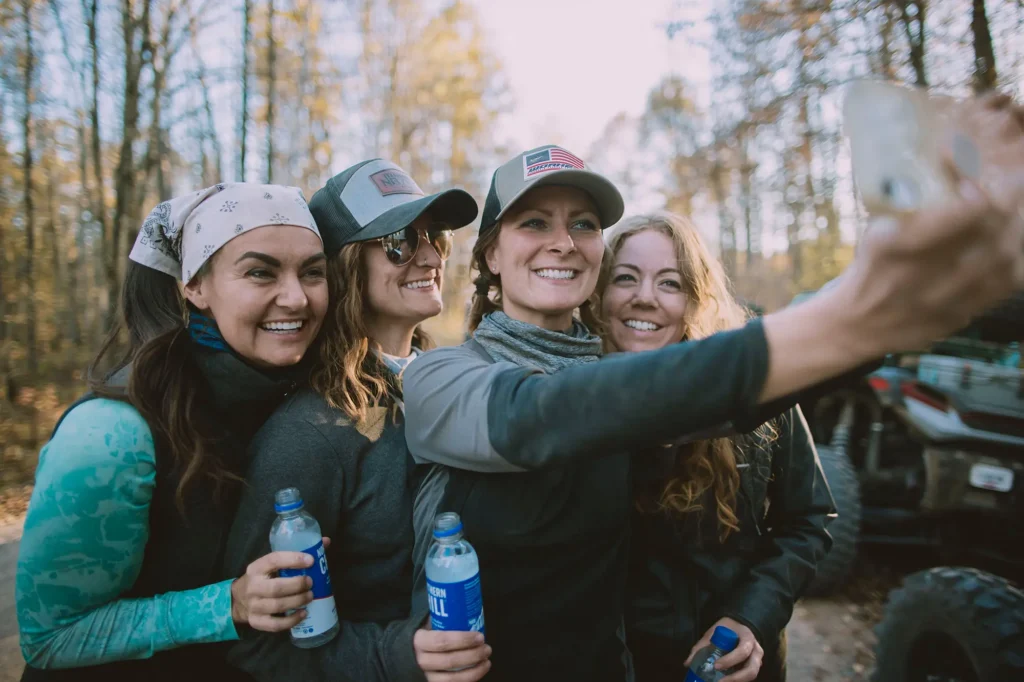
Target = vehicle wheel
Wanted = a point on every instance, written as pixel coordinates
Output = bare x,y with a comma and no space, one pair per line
952,625
845,529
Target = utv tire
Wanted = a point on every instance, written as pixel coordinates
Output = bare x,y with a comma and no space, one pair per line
956,624
842,479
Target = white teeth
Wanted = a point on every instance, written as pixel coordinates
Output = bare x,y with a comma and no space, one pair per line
283,326
641,325
551,273
419,284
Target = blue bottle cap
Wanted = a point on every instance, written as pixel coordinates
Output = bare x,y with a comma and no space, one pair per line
447,524
724,638
287,499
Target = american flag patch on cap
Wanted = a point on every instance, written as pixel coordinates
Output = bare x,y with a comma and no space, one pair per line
551,159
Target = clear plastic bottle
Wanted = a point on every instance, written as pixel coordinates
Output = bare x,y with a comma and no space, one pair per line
702,669
453,578
295,530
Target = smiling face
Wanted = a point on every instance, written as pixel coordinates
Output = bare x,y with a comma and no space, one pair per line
404,294
267,291
645,302
548,255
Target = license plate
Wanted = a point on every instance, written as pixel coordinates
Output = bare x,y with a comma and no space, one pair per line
988,477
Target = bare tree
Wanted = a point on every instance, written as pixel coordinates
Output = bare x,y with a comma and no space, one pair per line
271,89
984,55
244,128
138,48
27,270
913,14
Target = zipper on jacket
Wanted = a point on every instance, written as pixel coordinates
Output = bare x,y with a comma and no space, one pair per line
750,498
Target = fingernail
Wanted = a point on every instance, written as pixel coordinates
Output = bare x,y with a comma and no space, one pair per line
309,560
478,638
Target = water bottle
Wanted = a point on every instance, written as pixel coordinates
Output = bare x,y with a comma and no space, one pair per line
702,669
453,578
295,530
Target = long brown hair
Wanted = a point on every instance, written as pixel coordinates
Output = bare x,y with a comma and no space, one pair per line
708,465
348,375
165,383
486,281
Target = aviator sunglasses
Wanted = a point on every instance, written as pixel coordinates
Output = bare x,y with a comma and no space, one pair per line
400,247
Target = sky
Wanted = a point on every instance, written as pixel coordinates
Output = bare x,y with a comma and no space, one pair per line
572,65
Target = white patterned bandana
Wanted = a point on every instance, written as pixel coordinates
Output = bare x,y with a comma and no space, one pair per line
180,235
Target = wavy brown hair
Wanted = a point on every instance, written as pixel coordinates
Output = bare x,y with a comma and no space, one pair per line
486,282
164,381
708,465
347,374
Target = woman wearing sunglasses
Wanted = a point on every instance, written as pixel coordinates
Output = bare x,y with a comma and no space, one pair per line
342,442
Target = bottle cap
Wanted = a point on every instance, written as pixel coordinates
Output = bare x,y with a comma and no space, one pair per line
447,524
725,638
287,499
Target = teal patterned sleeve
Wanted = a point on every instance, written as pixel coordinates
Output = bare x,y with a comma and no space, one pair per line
83,543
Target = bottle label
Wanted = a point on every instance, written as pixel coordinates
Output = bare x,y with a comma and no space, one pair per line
692,677
321,613
456,606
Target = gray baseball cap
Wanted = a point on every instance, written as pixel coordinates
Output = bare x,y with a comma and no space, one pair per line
376,198
549,165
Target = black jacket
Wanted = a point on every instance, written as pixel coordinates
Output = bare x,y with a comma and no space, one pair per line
682,579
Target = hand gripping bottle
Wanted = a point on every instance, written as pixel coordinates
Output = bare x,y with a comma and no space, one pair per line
453,578
702,669
295,530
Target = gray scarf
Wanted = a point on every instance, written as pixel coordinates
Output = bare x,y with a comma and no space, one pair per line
528,345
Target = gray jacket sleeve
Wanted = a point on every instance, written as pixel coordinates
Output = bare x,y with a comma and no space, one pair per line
464,412
299,455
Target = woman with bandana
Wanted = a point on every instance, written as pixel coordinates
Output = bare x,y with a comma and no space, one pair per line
342,441
119,563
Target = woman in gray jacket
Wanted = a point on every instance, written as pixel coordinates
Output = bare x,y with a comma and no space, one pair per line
527,434
341,441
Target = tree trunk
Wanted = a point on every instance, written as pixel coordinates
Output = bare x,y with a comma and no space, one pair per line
913,13
246,40
984,55
124,175
104,246
888,67
58,261
28,270
271,89
74,265
726,228
747,199
3,247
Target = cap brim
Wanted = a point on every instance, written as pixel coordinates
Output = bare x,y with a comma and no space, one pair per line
604,194
455,207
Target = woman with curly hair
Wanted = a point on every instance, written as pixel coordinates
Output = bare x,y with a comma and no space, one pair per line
342,443
727,530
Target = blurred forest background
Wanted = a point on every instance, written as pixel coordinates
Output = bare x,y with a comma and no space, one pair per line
110,106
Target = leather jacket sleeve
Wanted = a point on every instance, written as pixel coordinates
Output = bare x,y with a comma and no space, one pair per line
794,539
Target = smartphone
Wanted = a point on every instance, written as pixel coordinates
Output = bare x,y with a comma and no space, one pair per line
903,141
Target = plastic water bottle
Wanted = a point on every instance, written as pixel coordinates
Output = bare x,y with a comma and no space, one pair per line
295,530
453,578
702,669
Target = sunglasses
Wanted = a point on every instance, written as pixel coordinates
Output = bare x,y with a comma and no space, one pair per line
400,247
